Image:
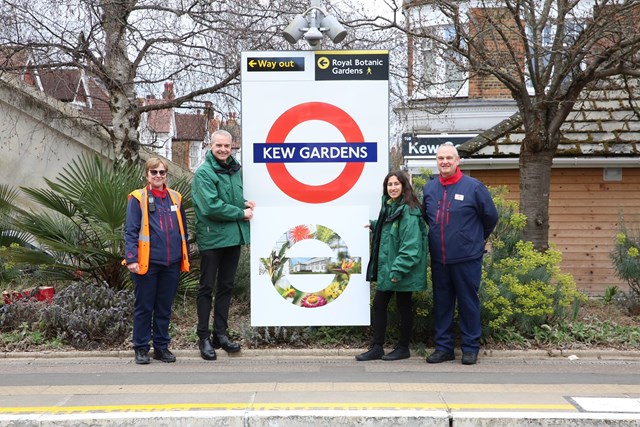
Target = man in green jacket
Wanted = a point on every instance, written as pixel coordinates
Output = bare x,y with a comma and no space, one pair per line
222,227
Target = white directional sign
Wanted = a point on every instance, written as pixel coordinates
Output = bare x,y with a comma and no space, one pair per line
314,153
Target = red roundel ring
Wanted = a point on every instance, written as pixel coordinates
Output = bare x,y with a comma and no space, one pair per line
315,193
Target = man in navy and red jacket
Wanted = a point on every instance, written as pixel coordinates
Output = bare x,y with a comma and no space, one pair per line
461,215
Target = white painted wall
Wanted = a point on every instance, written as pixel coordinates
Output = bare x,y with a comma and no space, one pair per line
39,136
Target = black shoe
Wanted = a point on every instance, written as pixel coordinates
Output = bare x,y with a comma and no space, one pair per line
440,356
375,352
163,354
398,353
469,358
142,356
206,349
222,341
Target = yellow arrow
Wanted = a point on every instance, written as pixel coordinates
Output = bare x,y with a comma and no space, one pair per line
323,63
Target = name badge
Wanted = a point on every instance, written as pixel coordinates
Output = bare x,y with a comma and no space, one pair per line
459,197
174,208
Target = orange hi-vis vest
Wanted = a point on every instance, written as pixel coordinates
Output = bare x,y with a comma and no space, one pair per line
144,243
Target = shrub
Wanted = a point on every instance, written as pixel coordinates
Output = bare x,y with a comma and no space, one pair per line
296,337
423,306
610,294
79,226
85,315
9,235
527,290
626,256
304,336
521,287
242,286
90,315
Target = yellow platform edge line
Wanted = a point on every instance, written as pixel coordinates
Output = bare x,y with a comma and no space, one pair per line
278,406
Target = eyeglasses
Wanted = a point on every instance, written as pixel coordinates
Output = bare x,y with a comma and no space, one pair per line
160,172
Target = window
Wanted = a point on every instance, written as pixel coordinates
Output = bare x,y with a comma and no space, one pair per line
572,30
196,154
444,71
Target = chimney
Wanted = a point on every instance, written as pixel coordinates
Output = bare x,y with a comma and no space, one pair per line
483,85
232,119
213,123
208,109
168,91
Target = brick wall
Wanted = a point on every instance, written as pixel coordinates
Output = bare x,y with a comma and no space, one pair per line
489,27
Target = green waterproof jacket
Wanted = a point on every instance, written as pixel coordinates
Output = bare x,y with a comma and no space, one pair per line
218,202
402,248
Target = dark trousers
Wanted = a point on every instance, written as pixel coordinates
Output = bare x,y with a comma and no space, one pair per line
457,283
216,265
405,311
154,294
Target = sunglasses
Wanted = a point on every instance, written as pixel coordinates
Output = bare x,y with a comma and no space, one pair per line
160,172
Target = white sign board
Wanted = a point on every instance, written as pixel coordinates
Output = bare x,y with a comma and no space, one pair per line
315,128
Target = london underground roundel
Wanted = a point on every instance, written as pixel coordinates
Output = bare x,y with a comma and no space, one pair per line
333,189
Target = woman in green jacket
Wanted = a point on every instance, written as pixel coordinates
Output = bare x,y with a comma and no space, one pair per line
398,263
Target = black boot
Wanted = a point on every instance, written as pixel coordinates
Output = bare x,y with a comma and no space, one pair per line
398,353
164,355
375,352
142,356
223,341
207,351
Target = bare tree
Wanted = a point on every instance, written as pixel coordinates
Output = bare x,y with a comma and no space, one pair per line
133,45
546,53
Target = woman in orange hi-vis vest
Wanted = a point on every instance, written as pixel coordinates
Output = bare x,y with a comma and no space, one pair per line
156,251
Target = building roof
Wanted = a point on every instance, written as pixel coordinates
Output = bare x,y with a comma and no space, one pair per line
159,120
232,126
605,122
63,84
99,106
72,86
191,127
14,58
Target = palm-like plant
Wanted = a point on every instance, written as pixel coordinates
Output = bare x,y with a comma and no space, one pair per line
79,231
9,235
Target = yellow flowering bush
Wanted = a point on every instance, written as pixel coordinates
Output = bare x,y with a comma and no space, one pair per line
521,287
625,254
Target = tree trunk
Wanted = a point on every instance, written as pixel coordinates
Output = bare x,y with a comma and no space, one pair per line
535,185
119,76
125,127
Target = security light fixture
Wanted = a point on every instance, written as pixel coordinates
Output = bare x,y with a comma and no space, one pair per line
334,29
295,29
312,25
